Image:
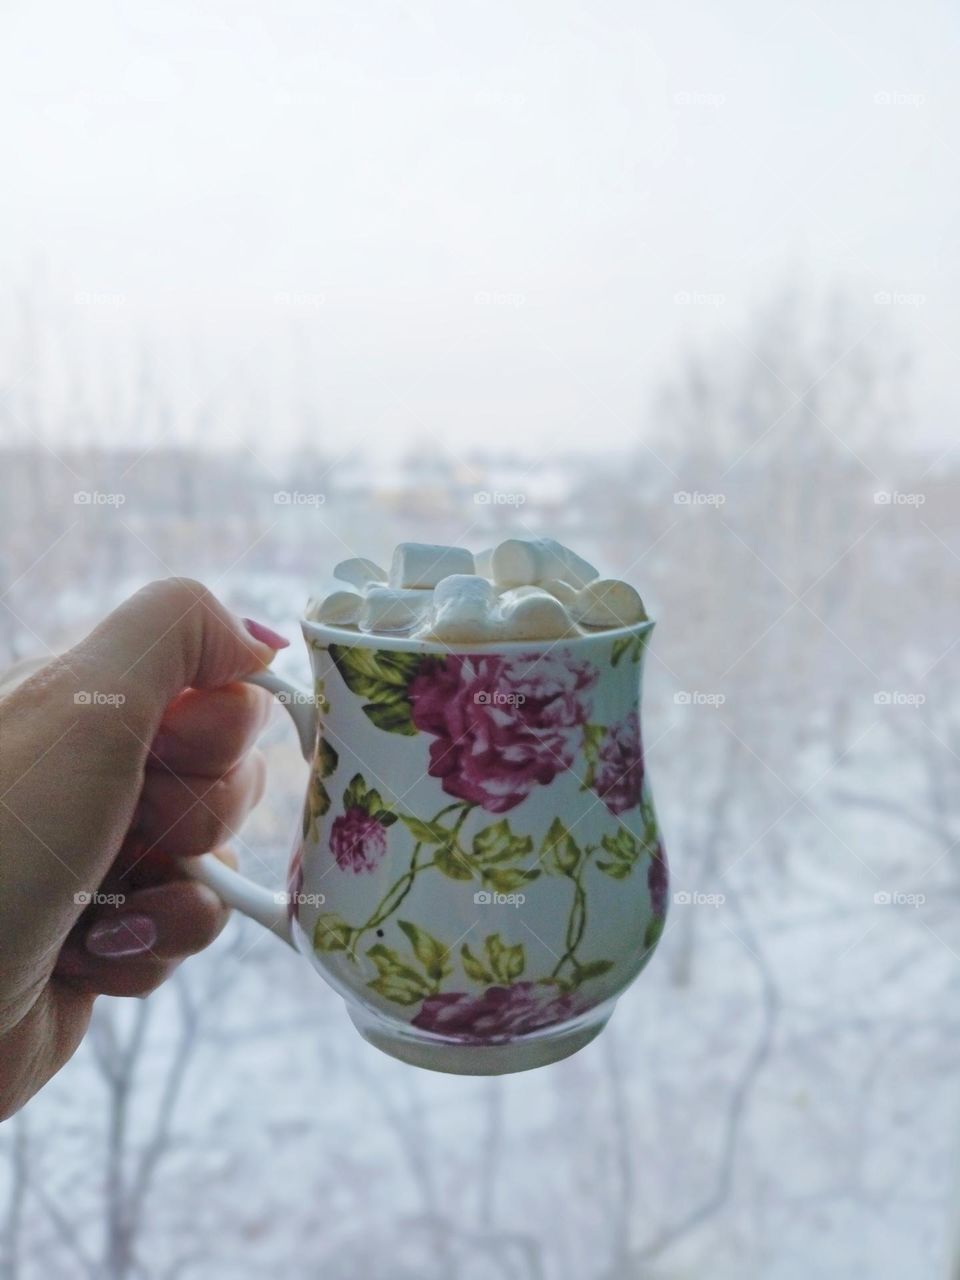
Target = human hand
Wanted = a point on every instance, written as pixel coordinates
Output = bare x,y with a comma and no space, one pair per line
133,748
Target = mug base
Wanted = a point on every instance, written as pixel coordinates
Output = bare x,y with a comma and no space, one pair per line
433,1053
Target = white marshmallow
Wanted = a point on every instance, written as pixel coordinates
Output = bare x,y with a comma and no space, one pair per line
483,562
532,615
560,562
537,560
464,609
608,602
358,572
564,592
390,609
515,562
339,608
418,564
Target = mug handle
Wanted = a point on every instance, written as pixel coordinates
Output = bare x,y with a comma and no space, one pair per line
263,905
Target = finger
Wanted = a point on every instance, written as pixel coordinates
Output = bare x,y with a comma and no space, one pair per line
205,731
189,815
131,949
76,737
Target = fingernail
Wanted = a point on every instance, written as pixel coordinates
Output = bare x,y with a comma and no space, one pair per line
265,635
127,935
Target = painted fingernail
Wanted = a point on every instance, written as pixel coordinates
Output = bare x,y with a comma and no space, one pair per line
132,934
265,635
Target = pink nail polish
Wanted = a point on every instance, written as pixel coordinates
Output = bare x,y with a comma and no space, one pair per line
132,934
265,635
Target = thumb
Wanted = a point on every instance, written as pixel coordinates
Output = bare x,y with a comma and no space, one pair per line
76,737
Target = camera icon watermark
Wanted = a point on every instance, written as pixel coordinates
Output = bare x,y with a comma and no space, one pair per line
498,698
296,498
284,899
490,898
94,898
894,298
693,898
893,498
693,498
694,698
498,498
91,298
94,698
897,898
897,98
898,698
94,498
297,698
493,298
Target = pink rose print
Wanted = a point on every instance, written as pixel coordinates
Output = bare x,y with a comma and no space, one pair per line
357,840
618,776
503,724
657,879
499,1013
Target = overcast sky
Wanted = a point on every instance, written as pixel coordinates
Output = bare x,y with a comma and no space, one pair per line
470,218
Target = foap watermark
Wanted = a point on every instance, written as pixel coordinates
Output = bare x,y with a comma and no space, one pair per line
284,899
691,298
490,898
694,498
893,298
498,498
897,898
498,698
296,498
898,698
695,698
693,898
898,98
894,498
303,301
94,698
299,698
94,498
94,898
90,298
494,298
699,98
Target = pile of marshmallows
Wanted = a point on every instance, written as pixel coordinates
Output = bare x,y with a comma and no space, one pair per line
524,589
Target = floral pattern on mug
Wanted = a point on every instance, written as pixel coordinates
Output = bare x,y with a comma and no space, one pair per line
499,1013
500,727
503,725
358,837
618,771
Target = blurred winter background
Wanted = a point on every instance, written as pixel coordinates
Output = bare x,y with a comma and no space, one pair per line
677,283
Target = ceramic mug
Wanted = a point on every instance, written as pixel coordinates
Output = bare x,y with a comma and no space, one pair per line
480,872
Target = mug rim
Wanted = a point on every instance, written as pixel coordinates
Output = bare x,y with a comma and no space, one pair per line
410,644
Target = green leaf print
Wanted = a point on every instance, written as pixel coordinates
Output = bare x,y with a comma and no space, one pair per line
327,758
506,879
425,832
624,849
559,851
381,677
474,968
506,963
433,955
498,844
395,980
332,933
452,863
